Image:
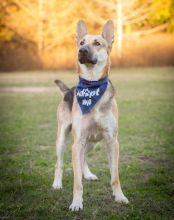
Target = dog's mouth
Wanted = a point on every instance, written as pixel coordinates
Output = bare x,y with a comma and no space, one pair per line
87,60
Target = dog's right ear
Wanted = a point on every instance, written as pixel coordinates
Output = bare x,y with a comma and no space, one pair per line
81,30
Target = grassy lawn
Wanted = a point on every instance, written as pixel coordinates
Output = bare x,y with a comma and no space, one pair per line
27,147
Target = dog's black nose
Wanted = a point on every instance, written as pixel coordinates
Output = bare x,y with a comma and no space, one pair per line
84,50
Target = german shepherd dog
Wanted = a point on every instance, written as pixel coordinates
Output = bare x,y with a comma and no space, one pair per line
98,123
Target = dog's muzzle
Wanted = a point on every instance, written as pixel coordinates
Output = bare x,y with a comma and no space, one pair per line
85,56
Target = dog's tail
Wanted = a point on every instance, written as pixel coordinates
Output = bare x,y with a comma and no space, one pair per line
62,87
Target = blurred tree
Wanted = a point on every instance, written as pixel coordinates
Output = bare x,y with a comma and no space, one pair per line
160,12
51,24
142,17
6,34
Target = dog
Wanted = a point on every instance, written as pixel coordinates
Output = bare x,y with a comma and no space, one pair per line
91,116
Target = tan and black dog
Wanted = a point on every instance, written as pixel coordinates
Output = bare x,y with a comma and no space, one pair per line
100,123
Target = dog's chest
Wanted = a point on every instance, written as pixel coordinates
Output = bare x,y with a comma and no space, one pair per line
96,125
99,122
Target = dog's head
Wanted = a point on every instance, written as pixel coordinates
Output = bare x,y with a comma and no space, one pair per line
94,50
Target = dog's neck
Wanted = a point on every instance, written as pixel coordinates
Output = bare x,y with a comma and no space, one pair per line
94,72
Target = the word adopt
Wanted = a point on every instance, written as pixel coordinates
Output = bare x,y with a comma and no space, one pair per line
88,93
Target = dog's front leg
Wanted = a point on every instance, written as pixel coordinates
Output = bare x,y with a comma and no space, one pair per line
60,148
113,154
78,152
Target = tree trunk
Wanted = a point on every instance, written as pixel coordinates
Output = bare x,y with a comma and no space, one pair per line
119,27
40,27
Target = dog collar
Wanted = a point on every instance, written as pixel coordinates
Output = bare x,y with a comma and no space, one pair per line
88,93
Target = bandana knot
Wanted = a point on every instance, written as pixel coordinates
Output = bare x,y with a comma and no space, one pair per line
88,93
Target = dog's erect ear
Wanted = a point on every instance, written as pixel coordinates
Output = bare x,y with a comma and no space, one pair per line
81,30
108,32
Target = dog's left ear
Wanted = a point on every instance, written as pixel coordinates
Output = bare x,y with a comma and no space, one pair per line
81,30
108,32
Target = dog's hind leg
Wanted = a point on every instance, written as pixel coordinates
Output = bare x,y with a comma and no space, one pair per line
86,171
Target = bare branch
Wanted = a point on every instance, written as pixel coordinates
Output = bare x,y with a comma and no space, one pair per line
21,37
92,14
147,32
142,10
136,20
109,5
57,40
25,8
65,12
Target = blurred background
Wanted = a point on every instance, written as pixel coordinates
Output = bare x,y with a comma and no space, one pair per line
40,34
37,46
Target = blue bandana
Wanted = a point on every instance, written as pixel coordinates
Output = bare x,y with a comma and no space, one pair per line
88,93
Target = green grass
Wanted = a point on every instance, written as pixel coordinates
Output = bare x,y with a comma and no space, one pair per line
146,133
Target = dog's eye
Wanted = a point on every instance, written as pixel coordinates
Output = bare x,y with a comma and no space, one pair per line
82,42
96,43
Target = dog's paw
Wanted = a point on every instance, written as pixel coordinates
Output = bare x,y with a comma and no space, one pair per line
90,176
76,205
57,185
120,198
